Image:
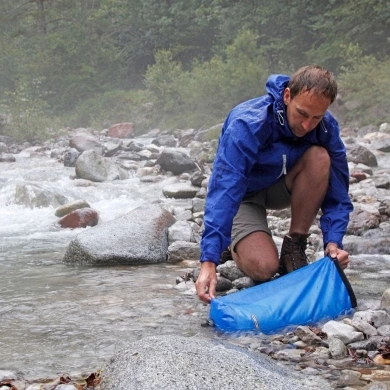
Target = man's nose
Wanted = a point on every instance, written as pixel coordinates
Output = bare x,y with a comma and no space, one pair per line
307,125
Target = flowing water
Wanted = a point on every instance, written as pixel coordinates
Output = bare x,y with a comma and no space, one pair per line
57,319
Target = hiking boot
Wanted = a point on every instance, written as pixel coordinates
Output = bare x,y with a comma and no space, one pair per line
292,254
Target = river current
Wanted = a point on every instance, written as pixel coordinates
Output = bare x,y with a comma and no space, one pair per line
57,319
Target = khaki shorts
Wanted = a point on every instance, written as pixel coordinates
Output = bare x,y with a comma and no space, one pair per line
252,214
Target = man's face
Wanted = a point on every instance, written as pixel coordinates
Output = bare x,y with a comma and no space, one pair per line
304,111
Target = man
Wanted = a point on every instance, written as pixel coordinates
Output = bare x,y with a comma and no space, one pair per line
278,150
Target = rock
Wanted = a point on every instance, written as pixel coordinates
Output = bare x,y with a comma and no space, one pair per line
306,335
175,362
384,330
84,142
7,157
71,157
244,282
346,333
139,237
337,348
91,166
165,140
183,250
121,130
3,148
181,231
364,327
385,300
180,191
230,270
31,195
69,207
175,162
223,284
375,317
360,154
80,218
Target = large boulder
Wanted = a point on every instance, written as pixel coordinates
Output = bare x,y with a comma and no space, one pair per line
79,218
139,237
91,166
84,142
175,362
175,161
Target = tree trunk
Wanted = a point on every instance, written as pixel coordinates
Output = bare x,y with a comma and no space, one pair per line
41,20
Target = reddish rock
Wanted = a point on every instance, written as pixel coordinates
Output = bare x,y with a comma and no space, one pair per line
359,176
121,130
80,218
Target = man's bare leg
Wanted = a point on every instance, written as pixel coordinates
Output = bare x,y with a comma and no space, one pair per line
256,255
308,182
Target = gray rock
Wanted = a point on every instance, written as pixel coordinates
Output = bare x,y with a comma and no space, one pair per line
375,317
384,330
337,348
230,270
363,326
71,157
244,282
180,191
91,166
305,334
139,237
385,300
360,154
346,333
178,363
83,142
223,284
181,231
175,162
183,250
72,206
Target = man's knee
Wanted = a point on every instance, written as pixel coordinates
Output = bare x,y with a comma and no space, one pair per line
318,156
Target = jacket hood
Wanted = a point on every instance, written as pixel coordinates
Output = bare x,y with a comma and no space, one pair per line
275,86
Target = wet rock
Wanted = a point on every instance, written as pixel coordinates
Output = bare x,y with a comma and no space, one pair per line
375,317
31,195
139,237
7,157
84,142
230,270
305,334
223,284
175,162
346,333
71,157
180,191
69,207
337,348
385,301
91,166
183,250
167,362
79,218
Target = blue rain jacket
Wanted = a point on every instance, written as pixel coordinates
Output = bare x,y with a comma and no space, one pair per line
256,147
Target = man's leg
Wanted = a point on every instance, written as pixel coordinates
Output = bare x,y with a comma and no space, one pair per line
256,253
257,256
308,182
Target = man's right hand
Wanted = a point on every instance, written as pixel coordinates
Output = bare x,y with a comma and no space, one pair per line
206,282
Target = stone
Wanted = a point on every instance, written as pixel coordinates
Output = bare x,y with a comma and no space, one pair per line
183,250
384,330
375,317
364,327
71,206
121,130
175,161
385,300
180,191
346,333
79,218
84,142
306,335
337,348
230,270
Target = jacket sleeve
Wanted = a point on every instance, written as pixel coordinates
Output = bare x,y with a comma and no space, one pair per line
228,183
337,204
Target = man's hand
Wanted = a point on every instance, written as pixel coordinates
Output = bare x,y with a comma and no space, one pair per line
334,252
206,282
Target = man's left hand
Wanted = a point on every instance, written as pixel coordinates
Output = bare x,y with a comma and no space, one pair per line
334,252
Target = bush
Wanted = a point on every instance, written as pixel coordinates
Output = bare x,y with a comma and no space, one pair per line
367,84
203,96
26,114
113,107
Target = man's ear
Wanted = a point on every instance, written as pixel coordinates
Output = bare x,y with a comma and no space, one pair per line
287,96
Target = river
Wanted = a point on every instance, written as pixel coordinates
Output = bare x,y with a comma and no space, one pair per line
57,319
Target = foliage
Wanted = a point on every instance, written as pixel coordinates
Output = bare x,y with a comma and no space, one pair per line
205,94
367,84
27,119
112,107
198,58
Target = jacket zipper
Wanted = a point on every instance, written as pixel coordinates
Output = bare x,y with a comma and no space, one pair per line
284,168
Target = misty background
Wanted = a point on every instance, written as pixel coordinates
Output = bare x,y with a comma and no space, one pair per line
177,64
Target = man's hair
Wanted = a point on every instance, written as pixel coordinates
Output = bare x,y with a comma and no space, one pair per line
315,78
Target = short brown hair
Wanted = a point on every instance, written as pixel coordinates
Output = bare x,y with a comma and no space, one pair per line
316,78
